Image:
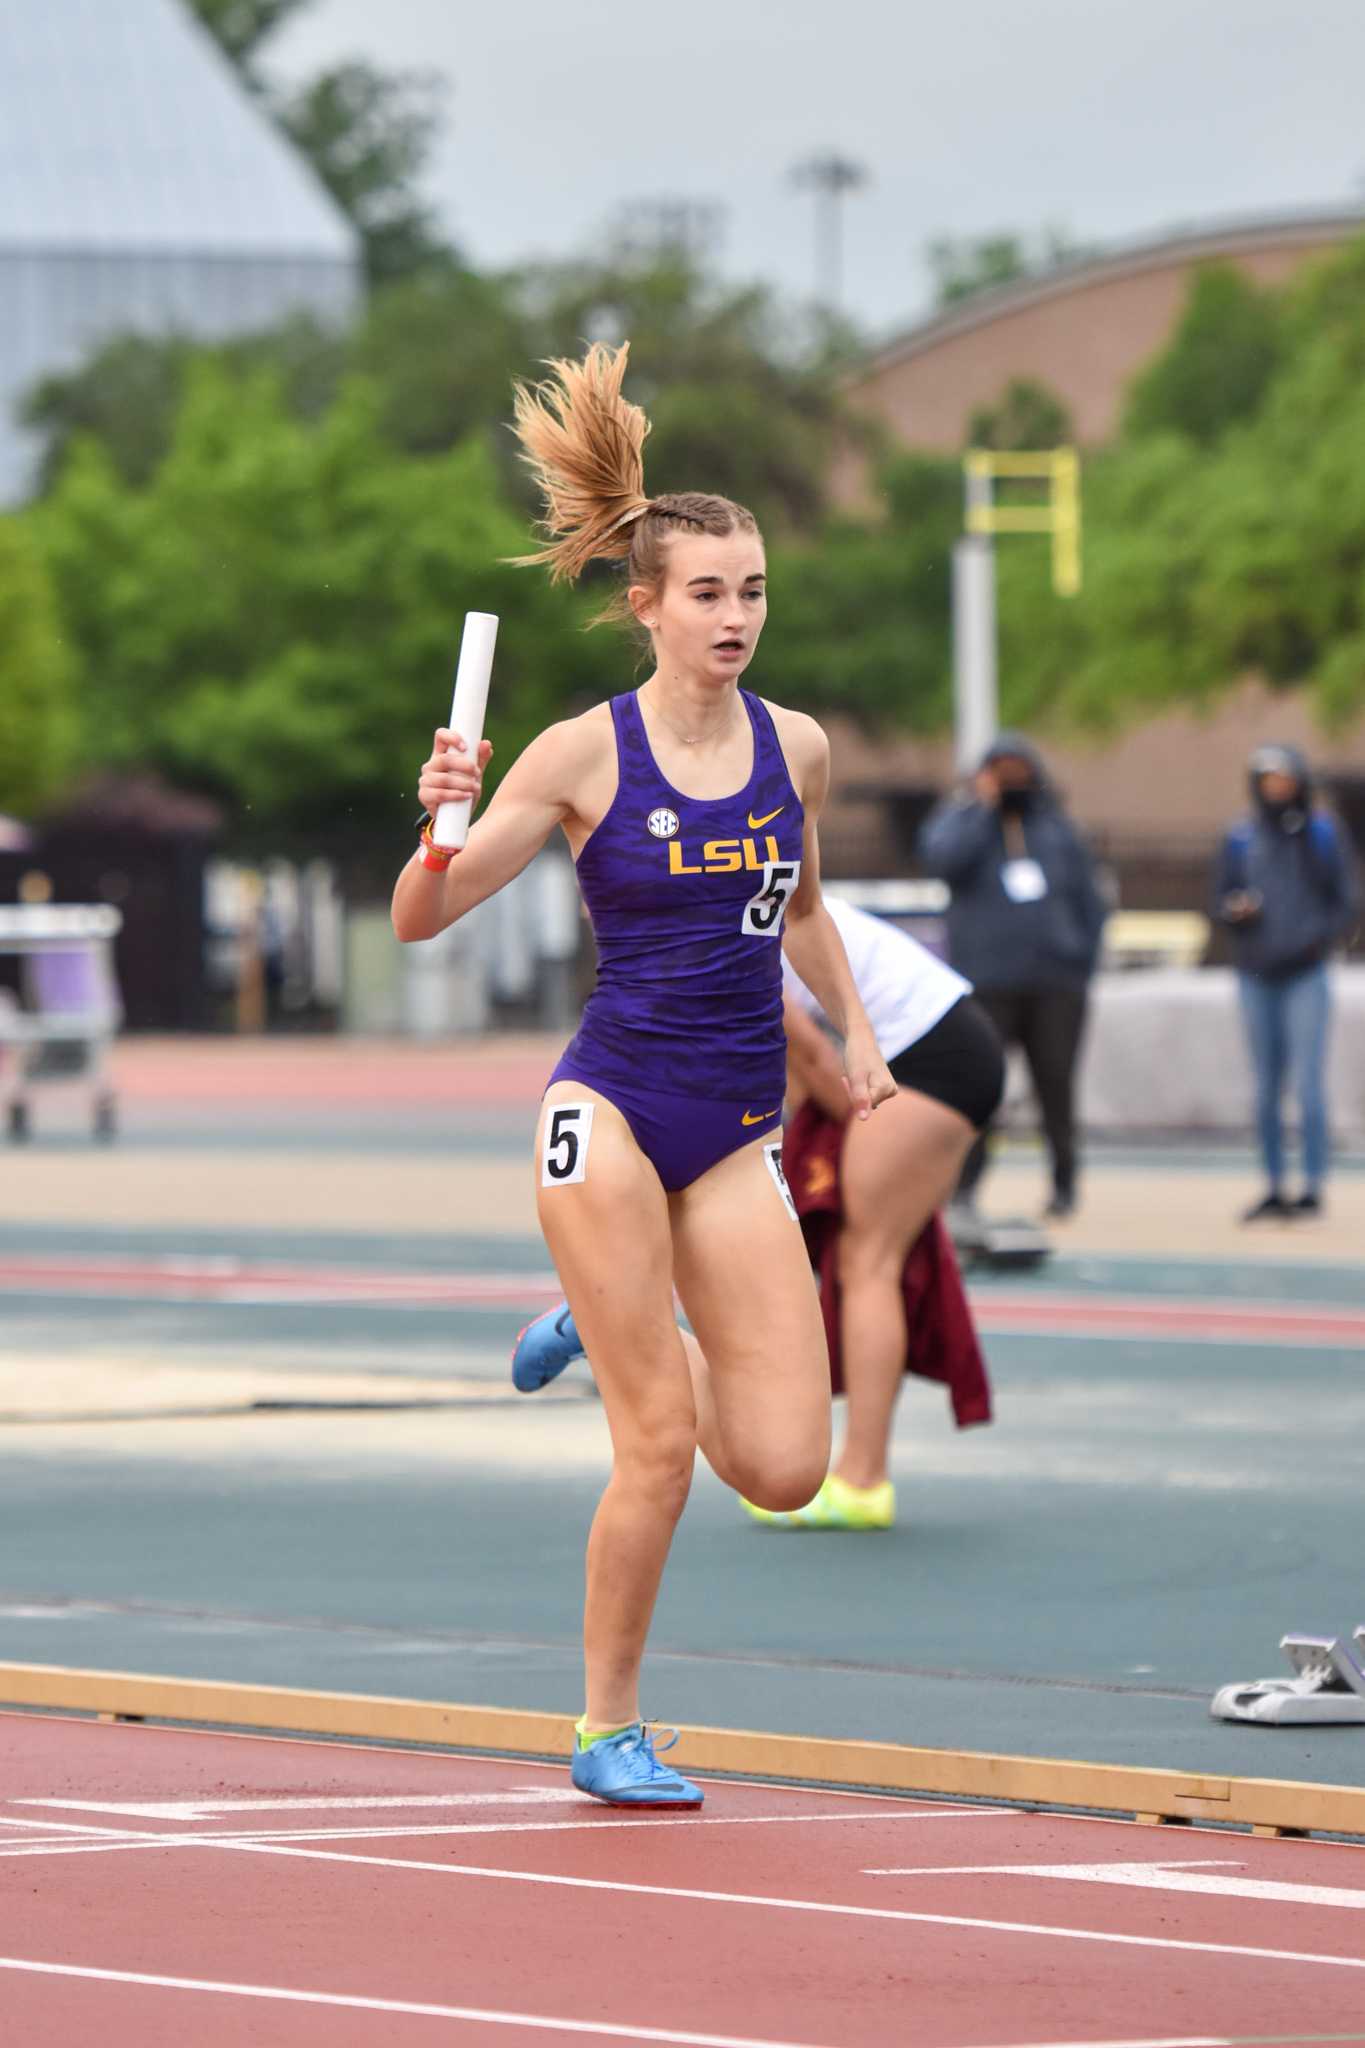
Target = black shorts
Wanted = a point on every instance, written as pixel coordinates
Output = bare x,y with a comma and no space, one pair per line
960,1063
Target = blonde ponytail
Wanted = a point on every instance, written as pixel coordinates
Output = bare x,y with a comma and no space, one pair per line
583,443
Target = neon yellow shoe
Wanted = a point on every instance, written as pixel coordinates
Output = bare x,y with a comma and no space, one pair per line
836,1506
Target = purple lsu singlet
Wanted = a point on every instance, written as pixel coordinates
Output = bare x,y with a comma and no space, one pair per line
686,896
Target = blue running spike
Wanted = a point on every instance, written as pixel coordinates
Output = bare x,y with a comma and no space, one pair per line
625,1771
543,1349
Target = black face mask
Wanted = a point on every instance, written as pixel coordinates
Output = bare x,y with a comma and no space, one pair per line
1016,801
1287,813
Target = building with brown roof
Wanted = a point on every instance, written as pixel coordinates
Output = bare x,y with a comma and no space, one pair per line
1084,330
1156,795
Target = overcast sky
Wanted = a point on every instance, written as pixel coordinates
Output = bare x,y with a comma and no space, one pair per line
1108,118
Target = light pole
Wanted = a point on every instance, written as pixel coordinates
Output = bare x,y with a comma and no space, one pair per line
831,177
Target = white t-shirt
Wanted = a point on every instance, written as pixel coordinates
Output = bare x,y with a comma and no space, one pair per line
905,988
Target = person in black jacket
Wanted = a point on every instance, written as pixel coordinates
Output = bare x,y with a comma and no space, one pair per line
1285,890
1024,927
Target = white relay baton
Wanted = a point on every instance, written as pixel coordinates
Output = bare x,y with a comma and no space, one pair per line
466,714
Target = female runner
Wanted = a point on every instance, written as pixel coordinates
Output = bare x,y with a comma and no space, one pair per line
690,808
894,1173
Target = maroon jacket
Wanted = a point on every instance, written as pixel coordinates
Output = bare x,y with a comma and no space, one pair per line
943,1343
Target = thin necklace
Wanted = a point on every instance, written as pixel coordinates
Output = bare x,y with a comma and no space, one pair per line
691,739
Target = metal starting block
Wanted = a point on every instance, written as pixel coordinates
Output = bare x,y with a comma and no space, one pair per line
1002,1243
1328,1686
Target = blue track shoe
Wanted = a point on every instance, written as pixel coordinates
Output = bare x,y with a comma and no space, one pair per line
624,1770
543,1349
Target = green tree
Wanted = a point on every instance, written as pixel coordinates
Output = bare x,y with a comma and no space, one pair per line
274,617
128,394
442,349
241,26
739,401
859,619
369,134
1026,415
1219,362
38,730
736,406
1225,535
963,266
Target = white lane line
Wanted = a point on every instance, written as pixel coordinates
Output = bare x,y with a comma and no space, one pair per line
663,1891
1157,1877
477,2014
210,1809
1208,2041
76,1839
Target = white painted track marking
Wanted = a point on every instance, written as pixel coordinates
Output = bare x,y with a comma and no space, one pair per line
75,1838
1206,2041
474,2013
1155,1877
665,1891
210,1809
1209,2041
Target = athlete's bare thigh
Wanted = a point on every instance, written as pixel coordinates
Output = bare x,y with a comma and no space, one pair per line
898,1167
606,1221
742,1273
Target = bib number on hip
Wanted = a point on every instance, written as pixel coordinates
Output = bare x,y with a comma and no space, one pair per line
763,913
773,1154
564,1152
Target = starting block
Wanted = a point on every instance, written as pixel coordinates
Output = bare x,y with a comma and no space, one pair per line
1328,1687
1004,1243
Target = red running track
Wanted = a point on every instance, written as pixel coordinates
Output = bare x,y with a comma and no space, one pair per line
324,1073
161,1888
252,1282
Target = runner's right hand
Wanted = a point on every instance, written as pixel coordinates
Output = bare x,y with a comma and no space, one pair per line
449,776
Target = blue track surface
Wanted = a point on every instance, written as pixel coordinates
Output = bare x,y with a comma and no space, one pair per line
1140,1525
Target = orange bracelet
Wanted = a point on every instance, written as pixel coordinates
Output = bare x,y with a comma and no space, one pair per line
437,858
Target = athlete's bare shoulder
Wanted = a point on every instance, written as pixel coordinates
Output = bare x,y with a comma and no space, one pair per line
806,747
558,759
569,770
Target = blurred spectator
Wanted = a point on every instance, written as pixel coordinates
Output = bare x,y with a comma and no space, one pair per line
1285,889
1024,927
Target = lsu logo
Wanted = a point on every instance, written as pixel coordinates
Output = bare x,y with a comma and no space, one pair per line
724,856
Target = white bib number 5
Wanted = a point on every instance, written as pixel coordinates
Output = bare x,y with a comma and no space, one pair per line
763,913
564,1152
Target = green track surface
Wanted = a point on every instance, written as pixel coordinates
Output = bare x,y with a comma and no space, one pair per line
1140,1525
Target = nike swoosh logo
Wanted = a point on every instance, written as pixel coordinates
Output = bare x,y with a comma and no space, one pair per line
746,1118
755,823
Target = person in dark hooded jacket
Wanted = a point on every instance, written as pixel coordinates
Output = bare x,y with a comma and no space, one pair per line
1285,890
1024,927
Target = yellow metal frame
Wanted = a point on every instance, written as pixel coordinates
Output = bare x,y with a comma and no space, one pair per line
1268,1806
1060,470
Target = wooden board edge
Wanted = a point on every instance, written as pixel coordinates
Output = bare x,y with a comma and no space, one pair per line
1279,1805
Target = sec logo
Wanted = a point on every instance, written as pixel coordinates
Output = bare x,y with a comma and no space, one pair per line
663,824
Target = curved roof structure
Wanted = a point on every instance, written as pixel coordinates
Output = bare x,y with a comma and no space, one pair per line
1226,242
123,128
1084,329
